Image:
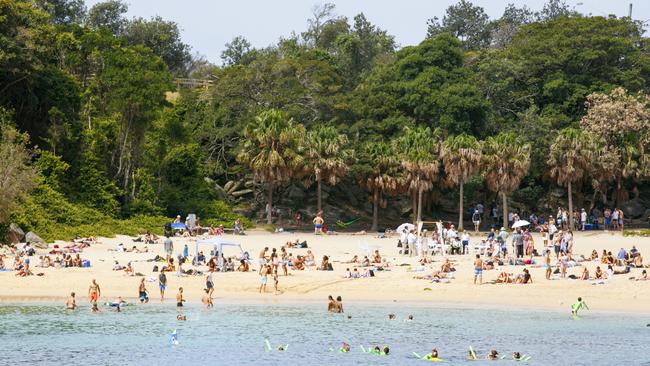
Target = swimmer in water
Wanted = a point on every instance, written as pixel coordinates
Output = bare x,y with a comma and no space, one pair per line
94,292
579,305
207,300
345,348
471,355
410,318
391,316
385,350
433,354
181,317
71,304
179,298
492,355
516,356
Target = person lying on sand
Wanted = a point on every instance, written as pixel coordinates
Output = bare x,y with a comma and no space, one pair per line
355,259
447,267
643,277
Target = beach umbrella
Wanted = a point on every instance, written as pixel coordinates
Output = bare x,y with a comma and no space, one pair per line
406,226
520,223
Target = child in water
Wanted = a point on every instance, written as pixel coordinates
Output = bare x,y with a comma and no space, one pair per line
577,306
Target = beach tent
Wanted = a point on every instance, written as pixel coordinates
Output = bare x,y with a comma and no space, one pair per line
406,226
179,226
218,242
520,223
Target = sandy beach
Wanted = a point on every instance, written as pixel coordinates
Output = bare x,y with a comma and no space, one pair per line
395,285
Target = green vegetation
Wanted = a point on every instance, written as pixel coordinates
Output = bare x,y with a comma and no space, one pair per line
503,110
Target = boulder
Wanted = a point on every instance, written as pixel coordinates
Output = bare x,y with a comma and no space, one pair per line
295,193
35,240
633,209
646,215
15,234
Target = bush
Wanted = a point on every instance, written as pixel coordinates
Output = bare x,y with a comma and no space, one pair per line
50,215
219,213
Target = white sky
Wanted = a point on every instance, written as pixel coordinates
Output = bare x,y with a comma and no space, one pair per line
208,24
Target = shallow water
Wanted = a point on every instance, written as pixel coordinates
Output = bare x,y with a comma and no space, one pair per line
234,334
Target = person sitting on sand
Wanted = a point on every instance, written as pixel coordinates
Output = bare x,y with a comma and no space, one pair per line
365,262
243,266
599,275
325,265
585,274
376,258
644,276
299,263
309,259
594,255
129,270
77,262
2,262
447,267
68,261
638,261
524,278
24,270
504,278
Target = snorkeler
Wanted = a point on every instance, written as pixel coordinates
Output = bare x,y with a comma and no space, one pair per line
492,355
516,356
181,317
345,348
578,305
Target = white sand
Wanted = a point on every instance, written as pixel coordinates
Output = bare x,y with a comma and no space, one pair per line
620,294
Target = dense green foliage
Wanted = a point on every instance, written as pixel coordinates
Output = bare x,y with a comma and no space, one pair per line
115,143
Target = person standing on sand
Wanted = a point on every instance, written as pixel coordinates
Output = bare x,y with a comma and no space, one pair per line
275,282
71,304
547,263
478,269
143,294
169,245
179,298
318,223
162,281
263,258
94,292
264,271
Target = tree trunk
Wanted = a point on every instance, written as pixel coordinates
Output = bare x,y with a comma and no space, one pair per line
460,204
320,205
415,204
269,214
375,210
505,209
419,204
570,205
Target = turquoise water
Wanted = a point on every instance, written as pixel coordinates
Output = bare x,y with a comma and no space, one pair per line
234,334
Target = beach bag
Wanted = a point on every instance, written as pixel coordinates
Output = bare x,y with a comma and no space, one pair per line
399,243
85,263
371,273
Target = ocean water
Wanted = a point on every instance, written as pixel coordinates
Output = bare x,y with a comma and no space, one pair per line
234,334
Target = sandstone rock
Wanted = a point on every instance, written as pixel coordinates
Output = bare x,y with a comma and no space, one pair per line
15,234
633,209
35,240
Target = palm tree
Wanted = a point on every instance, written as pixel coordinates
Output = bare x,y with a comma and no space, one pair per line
418,149
505,162
570,158
272,149
327,156
461,156
379,174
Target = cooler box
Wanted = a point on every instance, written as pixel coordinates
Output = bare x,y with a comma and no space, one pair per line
85,263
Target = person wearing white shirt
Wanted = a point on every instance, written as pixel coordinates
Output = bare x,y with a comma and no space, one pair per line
464,238
411,239
583,219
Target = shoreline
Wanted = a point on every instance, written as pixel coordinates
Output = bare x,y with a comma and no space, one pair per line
288,301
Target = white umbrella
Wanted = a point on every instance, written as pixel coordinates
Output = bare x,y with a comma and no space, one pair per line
520,223
406,226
